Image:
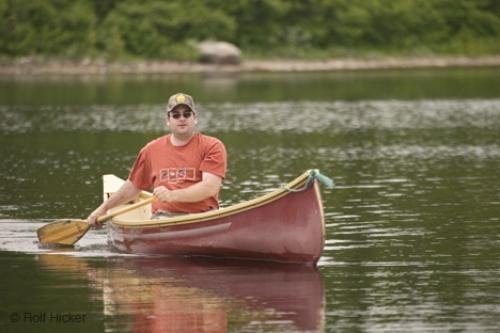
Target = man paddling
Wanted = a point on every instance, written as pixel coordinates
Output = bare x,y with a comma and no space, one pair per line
184,169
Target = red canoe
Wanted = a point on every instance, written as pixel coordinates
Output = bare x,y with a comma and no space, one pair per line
285,225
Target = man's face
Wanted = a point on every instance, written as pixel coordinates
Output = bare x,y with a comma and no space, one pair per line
181,121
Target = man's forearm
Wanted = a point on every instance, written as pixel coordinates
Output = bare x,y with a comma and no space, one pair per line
209,186
197,192
125,193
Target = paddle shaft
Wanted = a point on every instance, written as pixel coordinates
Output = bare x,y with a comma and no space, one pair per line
104,218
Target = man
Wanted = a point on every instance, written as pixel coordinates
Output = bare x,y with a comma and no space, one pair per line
184,169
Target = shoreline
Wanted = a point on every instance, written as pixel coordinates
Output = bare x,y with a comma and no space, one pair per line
34,67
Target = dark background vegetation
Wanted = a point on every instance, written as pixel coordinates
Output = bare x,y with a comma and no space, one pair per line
170,29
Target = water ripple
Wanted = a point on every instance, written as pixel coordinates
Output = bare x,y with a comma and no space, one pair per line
302,117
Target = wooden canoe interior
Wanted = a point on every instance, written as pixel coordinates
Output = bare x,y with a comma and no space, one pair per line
141,217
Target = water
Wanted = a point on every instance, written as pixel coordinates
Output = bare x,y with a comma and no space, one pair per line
412,225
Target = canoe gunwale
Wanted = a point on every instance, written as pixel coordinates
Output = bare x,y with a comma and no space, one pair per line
295,185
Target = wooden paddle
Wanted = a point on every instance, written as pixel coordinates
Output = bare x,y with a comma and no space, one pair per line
69,231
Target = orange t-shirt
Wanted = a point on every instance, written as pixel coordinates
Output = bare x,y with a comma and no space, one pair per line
176,167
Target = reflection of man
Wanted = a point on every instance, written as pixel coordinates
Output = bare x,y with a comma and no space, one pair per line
184,168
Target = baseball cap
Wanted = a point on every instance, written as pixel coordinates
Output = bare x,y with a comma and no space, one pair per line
180,98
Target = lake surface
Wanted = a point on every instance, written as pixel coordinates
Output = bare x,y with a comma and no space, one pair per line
413,224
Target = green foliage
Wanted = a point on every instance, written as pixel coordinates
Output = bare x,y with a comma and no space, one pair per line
27,27
169,29
163,29
76,25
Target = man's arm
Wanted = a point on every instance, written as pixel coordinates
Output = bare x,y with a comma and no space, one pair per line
127,192
207,187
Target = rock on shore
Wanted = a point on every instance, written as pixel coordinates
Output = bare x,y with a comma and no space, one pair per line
221,53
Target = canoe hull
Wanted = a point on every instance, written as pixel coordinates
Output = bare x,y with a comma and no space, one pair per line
289,229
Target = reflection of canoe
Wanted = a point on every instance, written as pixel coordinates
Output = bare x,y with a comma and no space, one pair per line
286,225
295,294
197,295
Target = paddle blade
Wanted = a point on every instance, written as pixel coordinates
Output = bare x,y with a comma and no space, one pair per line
62,232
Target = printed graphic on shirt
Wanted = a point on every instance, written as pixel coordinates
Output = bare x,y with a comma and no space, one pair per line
175,175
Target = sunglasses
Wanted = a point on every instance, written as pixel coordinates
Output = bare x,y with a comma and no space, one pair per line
177,115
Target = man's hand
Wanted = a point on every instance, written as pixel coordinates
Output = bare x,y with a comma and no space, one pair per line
92,218
163,194
125,193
